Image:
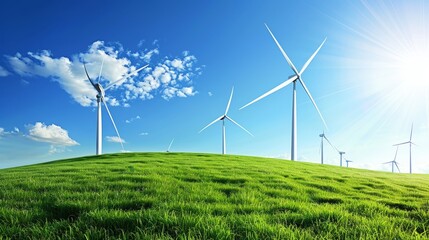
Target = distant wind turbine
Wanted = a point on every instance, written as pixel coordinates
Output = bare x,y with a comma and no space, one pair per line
323,136
292,79
222,118
169,146
394,163
100,99
408,142
348,161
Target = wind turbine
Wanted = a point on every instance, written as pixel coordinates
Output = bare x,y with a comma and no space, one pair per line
100,99
169,146
222,118
408,142
323,136
292,79
347,162
394,160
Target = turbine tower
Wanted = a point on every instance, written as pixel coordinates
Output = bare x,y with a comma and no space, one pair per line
341,157
321,146
347,161
408,142
394,163
292,79
100,99
323,136
222,118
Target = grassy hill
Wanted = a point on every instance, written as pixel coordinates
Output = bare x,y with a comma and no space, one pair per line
205,196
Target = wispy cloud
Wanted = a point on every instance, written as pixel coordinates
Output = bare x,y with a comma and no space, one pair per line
133,119
3,72
114,139
52,134
144,134
210,94
172,73
56,149
3,132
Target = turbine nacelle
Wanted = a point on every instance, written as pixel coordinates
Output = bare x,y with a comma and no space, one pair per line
100,101
99,89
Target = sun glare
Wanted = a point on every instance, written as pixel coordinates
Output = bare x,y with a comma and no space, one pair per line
414,68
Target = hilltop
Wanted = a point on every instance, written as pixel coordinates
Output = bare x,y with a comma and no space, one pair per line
208,196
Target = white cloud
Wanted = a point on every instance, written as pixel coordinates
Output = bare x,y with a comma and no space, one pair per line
69,72
144,134
133,119
51,134
115,139
24,82
56,149
171,92
3,72
3,132
210,94
177,63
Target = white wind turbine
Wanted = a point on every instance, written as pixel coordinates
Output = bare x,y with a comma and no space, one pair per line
222,118
408,142
292,79
100,99
323,136
348,161
394,163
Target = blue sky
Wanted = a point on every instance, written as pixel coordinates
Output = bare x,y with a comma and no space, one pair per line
370,80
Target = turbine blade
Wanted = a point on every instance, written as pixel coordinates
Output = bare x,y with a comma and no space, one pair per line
411,134
230,119
169,146
387,162
87,75
114,125
312,100
283,52
400,143
124,77
101,70
282,85
311,58
229,102
217,119
396,153
397,166
331,144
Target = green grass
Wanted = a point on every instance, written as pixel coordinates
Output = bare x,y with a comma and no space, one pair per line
204,196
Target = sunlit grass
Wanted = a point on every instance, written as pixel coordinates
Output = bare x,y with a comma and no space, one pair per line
203,196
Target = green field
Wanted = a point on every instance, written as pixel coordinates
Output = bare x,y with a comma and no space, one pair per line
207,196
